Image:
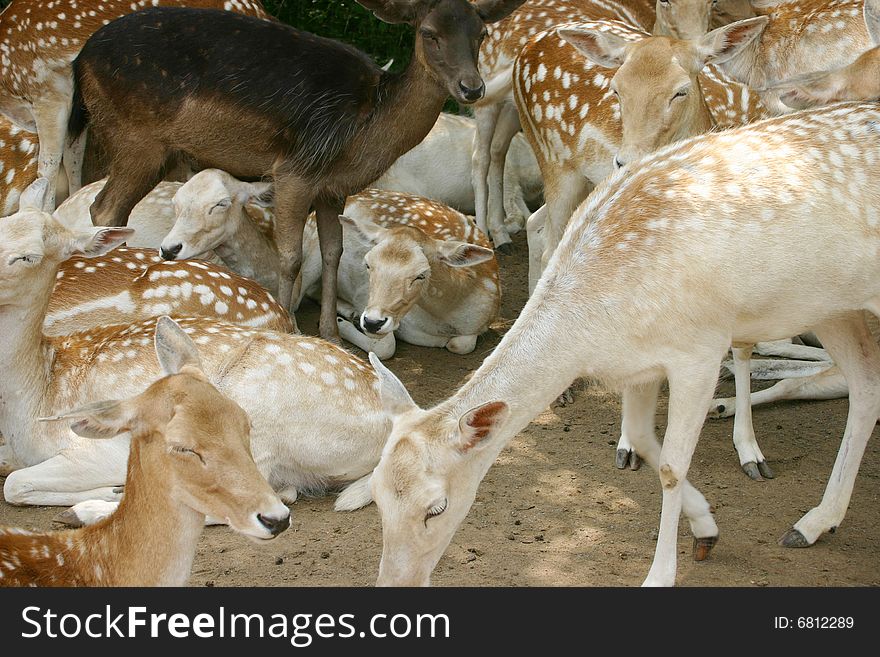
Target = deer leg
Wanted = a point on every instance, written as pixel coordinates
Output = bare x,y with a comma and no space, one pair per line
486,119
135,170
293,197
850,344
751,459
640,432
51,119
535,226
564,192
786,349
690,389
638,409
73,158
330,239
89,472
505,130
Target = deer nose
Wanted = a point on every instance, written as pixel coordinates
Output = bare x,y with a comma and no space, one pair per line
171,252
274,525
471,94
373,325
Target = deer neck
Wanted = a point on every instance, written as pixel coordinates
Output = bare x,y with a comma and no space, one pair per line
151,539
249,252
528,370
26,361
407,107
699,119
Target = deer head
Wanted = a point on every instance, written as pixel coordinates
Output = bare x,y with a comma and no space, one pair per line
193,434
656,80
208,209
683,19
448,36
400,260
426,479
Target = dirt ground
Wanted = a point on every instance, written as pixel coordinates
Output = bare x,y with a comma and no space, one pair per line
554,510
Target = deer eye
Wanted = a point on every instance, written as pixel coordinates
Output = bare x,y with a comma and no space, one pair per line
681,93
186,451
225,203
436,510
28,259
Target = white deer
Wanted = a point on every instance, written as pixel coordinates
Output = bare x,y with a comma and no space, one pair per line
189,458
317,421
657,274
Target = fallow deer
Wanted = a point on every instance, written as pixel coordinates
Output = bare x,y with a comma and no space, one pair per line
802,37
317,116
18,164
658,273
432,278
189,458
316,418
38,42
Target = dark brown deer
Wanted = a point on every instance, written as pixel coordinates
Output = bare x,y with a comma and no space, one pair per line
261,99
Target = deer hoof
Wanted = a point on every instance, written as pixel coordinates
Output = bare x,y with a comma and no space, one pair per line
765,470
703,546
751,469
68,518
566,397
505,249
793,539
621,460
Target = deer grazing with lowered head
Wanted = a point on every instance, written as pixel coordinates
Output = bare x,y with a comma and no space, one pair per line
803,37
670,261
189,459
410,266
317,423
38,42
316,116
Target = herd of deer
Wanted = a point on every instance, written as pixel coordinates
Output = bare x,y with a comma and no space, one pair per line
687,212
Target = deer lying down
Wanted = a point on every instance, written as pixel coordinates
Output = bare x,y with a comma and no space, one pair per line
432,279
317,423
440,168
658,273
857,81
189,458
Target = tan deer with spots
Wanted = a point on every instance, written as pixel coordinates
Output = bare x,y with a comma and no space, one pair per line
189,458
39,40
410,266
18,164
802,37
658,273
317,423
496,114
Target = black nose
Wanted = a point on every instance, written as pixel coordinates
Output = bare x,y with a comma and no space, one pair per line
170,254
274,525
372,325
472,94
618,163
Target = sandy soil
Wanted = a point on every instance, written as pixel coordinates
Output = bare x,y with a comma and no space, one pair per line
555,511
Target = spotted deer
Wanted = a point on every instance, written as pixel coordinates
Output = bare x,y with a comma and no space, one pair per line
18,164
410,266
322,120
189,458
497,119
317,423
802,37
654,280
39,40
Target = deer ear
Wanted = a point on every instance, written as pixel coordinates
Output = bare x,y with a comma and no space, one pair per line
396,11
34,195
725,42
872,20
394,396
174,348
601,48
492,11
480,424
366,231
104,419
810,90
462,254
261,194
101,241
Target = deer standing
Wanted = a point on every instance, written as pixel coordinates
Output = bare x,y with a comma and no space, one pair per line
654,280
318,117
38,42
317,421
189,458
